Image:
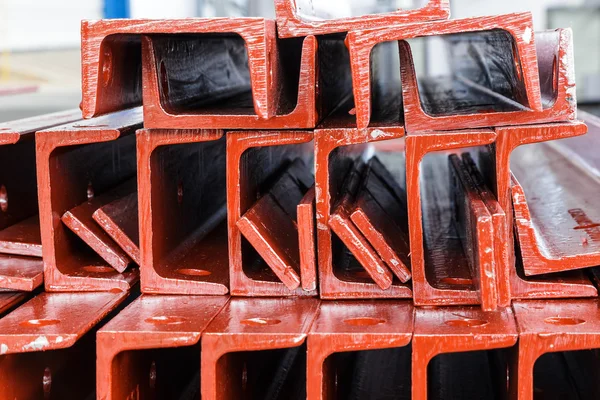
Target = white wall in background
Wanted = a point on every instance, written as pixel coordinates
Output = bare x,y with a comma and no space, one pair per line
163,8
44,24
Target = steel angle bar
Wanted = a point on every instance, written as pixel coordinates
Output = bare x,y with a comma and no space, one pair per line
445,330
514,50
293,20
120,221
357,339
151,349
474,224
75,163
21,267
271,224
501,235
80,220
496,169
255,348
337,147
275,168
307,237
182,208
553,327
440,267
48,345
557,85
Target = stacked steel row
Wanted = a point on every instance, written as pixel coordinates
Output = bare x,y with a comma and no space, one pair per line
259,158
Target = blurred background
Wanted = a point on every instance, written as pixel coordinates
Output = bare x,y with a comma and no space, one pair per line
39,39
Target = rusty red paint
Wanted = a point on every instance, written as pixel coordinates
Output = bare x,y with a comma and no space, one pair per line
291,22
75,161
21,267
336,146
183,233
519,26
52,336
555,55
134,342
351,326
508,139
307,237
457,329
549,327
440,274
253,161
244,329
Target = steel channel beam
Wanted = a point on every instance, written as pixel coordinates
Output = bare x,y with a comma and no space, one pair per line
516,26
496,168
346,327
292,21
263,342
474,225
275,90
21,267
307,237
76,162
254,162
552,327
557,84
447,330
271,224
48,348
182,208
151,349
337,145
440,271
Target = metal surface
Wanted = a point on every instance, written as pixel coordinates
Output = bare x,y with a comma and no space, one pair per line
513,32
445,330
151,349
292,23
440,267
200,73
557,84
343,344
255,162
48,345
80,220
10,299
182,212
76,162
119,219
255,348
21,267
337,146
271,224
307,237
554,192
495,163
552,327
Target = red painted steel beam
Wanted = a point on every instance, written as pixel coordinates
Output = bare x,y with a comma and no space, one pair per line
261,341
293,21
440,267
455,330
556,219
182,208
307,237
336,148
253,78
76,162
254,161
352,326
557,84
474,225
21,267
550,327
152,348
498,167
120,221
518,27
10,299
47,345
